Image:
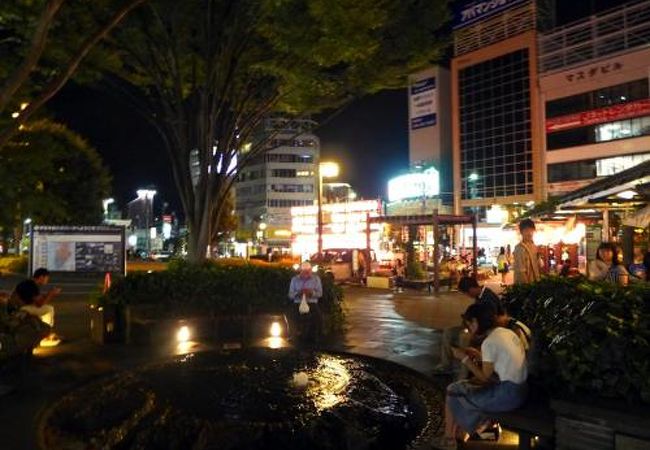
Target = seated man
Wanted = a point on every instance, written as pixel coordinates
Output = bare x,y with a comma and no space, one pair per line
34,303
458,335
306,285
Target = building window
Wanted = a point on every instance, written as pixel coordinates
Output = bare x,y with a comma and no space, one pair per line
292,188
283,173
600,98
284,203
495,132
611,166
305,173
292,143
572,171
621,129
289,158
593,168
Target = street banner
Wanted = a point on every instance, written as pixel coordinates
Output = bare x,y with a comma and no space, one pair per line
603,115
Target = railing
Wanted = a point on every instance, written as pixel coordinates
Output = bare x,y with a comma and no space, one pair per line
504,26
610,32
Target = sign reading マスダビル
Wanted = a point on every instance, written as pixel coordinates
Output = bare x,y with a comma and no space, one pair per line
469,13
423,103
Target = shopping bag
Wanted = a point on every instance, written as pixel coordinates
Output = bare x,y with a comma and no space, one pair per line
304,306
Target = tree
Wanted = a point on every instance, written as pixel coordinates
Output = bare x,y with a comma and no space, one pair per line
25,31
51,175
226,222
207,72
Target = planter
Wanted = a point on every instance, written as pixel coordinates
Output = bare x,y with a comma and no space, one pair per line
109,324
378,282
593,425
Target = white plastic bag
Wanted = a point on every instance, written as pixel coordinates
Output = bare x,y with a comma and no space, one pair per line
304,306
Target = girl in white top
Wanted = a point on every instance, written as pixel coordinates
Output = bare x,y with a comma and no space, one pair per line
499,382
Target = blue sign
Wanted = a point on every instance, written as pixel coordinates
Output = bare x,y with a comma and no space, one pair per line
423,85
423,106
423,121
472,12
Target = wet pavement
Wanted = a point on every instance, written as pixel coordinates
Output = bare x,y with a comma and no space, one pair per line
401,327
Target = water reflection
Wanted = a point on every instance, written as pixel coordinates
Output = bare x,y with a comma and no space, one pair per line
328,382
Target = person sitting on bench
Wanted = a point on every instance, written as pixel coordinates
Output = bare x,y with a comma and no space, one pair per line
34,303
499,382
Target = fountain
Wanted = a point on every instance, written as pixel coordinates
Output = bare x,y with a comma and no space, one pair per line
250,399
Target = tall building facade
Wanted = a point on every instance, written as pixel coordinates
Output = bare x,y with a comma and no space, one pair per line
594,82
497,135
282,177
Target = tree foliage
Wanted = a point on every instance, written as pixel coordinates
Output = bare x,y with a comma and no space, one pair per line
42,44
207,72
51,175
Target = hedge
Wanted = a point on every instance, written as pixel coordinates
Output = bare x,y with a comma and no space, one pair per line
590,338
217,288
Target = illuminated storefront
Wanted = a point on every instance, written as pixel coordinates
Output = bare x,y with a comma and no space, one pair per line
345,226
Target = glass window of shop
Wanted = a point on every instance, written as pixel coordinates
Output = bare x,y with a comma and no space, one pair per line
496,148
621,129
600,98
593,168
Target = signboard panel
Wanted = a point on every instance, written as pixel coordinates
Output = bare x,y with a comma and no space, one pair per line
78,249
472,12
423,108
414,185
603,115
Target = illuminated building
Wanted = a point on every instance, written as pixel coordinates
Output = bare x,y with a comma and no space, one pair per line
594,83
496,132
345,226
276,181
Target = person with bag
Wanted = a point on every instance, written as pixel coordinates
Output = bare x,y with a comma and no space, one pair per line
304,292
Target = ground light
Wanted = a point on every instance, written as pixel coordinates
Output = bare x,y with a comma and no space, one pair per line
183,334
276,329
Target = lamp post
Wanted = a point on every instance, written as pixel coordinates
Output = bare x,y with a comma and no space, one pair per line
325,170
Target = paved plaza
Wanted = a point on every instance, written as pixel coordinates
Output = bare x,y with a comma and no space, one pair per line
400,327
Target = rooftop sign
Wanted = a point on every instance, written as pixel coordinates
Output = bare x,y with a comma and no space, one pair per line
472,12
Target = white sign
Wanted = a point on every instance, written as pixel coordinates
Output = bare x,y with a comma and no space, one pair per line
423,106
414,185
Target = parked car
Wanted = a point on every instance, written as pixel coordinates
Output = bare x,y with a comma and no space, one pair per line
339,262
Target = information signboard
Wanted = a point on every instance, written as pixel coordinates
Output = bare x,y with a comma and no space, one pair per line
91,249
423,103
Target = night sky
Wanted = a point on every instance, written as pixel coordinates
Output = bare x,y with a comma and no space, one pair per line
369,138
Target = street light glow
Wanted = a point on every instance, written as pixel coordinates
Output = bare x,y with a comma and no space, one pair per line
473,176
146,193
329,169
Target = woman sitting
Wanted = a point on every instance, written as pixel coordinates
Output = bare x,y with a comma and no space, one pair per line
499,378
607,265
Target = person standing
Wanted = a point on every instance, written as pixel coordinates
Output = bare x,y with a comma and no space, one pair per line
526,264
306,285
503,265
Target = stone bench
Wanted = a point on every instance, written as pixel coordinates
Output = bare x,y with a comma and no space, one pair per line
533,422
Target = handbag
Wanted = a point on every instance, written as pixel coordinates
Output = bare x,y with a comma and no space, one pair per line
303,308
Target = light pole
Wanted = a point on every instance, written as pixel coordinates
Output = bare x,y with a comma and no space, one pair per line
147,195
325,170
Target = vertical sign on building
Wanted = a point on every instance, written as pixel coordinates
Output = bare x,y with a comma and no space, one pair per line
423,103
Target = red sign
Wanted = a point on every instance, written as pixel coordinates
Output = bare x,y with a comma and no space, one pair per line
167,219
602,115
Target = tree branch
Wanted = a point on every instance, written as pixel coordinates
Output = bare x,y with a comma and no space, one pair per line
58,82
15,81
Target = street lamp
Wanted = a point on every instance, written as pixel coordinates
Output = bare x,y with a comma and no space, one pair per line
146,196
105,203
325,170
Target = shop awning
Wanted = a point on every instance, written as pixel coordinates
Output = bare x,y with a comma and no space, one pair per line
639,219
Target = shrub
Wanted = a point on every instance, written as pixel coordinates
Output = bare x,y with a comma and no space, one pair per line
219,288
591,338
14,264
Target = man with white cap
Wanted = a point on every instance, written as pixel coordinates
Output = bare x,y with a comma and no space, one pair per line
306,285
